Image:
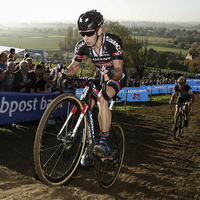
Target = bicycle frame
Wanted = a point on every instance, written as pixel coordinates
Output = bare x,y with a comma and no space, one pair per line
84,96
179,122
181,108
59,147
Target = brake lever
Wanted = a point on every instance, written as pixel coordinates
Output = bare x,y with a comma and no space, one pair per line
102,76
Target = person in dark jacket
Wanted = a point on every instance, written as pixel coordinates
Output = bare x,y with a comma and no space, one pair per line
22,80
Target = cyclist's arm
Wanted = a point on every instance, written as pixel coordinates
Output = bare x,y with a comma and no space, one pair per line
118,69
172,98
72,69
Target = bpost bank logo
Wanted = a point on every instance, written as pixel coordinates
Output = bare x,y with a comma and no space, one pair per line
10,107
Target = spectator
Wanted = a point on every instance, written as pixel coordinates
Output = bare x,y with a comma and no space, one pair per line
26,55
35,77
43,68
7,83
22,81
30,64
1,76
51,84
42,84
3,60
11,54
16,67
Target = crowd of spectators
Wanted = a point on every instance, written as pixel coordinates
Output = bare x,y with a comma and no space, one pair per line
28,77
157,78
24,76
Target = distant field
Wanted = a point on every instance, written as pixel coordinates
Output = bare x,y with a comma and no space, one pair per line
49,42
32,40
175,50
154,41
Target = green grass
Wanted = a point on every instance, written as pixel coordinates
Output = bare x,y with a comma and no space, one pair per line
158,40
22,39
163,48
155,41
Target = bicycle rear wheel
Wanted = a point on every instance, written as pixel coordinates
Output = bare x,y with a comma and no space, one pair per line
178,126
56,152
107,168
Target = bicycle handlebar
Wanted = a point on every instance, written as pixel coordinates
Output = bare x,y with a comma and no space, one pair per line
85,79
100,81
180,104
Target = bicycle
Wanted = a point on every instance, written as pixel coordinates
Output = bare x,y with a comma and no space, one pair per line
66,129
180,120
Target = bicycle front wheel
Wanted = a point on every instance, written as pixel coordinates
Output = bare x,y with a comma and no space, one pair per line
56,152
107,168
178,126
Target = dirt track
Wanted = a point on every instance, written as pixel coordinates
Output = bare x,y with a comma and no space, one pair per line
155,166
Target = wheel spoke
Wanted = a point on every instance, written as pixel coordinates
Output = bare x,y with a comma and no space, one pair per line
108,168
56,158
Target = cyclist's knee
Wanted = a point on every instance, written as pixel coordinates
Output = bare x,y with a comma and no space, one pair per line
177,109
102,101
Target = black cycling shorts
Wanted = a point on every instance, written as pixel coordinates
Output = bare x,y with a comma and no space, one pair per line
182,100
116,85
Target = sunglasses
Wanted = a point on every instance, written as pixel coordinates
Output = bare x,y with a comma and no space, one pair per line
89,33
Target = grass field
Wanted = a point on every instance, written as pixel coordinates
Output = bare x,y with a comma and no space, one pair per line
24,39
159,43
174,50
49,42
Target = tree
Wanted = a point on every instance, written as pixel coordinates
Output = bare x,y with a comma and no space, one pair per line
195,45
70,39
136,51
192,50
151,57
162,59
134,47
181,45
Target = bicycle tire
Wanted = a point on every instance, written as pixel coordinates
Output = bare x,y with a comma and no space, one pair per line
62,84
182,125
57,158
178,126
106,169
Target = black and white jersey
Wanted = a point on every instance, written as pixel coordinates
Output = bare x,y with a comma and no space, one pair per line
111,49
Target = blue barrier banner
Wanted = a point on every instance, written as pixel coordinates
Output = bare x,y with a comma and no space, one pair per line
149,88
190,82
122,94
196,82
195,88
79,92
21,107
169,88
136,94
159,89
133,94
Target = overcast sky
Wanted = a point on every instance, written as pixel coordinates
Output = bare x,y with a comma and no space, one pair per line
134,10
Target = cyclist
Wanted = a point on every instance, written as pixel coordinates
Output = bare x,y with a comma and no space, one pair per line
185,94
103,50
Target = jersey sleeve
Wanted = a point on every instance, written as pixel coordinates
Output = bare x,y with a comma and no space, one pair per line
190,90
175,89
115,44
79,51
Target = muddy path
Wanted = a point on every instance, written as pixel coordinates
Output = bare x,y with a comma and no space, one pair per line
155,165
